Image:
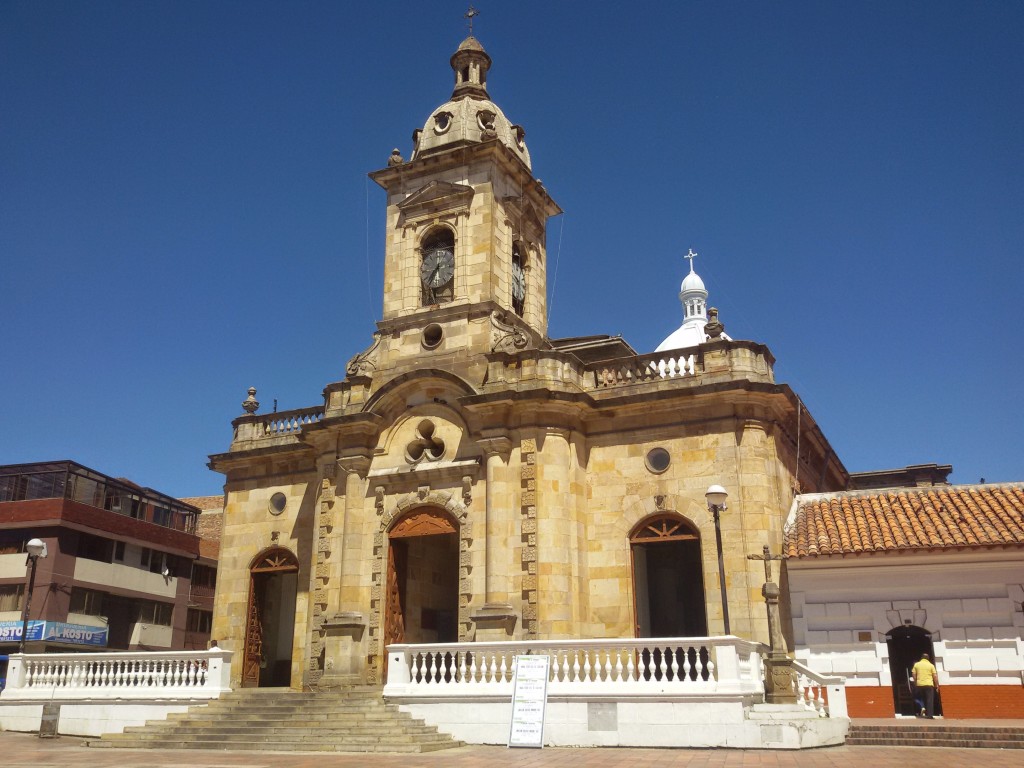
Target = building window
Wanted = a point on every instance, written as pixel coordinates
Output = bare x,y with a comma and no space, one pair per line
156,561
152,612
162,516
119,551
95,548
657,460
198,621
10,597
204,576
87,601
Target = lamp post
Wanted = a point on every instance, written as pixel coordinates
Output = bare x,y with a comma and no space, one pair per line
36,548
716,496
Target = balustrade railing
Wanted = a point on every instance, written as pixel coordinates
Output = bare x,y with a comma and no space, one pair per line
118,675
280,424
620,666
645,368
824,694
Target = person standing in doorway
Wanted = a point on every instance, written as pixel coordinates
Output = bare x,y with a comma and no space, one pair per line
926,680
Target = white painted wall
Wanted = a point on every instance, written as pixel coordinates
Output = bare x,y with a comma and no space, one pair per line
970,602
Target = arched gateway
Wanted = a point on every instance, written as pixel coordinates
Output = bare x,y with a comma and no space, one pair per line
668,578
422,595
270,622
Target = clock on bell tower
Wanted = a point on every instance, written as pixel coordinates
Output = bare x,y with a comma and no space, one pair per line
466,219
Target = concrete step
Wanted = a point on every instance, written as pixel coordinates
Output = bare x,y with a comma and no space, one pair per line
294,728
936,733
288,721
276,746
279,735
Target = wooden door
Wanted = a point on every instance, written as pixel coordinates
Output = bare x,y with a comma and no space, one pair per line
394,616
253,639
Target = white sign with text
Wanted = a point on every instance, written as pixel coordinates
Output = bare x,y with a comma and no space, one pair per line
529,698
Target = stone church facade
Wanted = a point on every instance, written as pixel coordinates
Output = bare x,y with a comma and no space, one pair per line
471,478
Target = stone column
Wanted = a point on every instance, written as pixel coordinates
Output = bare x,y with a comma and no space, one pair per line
779,675
558,598
496,620
344,629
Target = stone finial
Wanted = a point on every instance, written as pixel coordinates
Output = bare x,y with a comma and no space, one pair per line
713,329
396,158
251,404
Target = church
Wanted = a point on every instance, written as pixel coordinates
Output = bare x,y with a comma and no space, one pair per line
470,478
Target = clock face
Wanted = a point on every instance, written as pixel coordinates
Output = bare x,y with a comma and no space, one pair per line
518,282
438,267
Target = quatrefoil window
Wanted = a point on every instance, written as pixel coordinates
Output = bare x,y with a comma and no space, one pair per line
427,446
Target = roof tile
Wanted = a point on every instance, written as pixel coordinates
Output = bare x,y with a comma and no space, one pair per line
939,517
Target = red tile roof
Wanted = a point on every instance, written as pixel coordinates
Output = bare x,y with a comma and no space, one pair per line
905,519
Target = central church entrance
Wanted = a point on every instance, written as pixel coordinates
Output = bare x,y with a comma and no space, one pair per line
422,579
668,578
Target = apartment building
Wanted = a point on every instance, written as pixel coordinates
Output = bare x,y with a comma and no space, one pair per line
125,568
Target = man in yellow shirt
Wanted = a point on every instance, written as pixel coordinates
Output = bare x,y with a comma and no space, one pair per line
927,681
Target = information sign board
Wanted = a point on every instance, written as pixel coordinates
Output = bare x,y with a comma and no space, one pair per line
529,699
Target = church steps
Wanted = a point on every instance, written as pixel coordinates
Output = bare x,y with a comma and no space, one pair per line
937,733
288,721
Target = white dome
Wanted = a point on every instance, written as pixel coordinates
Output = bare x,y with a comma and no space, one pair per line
692,282
693,297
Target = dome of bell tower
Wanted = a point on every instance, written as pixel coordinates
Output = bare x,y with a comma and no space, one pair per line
469,117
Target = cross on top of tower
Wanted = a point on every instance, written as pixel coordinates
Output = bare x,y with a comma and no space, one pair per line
470,15
691,256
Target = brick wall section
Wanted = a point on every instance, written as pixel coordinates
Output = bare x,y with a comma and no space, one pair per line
982,701
99,521
960,702
870,701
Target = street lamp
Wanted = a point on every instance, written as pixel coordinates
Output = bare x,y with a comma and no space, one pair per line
716,496
36,548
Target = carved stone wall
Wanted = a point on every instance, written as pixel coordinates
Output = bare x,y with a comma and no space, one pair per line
528,510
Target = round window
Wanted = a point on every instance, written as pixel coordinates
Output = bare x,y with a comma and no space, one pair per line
658,460
277,503
442,122
432,335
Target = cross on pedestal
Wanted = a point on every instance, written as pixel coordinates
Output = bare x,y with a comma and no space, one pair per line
780,679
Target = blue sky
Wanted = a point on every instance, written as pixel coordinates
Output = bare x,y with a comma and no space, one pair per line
184,209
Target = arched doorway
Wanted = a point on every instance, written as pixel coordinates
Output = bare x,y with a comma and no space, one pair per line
270,622
668,578
422,583
906,644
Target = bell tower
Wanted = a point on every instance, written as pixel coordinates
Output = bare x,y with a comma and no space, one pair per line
466,221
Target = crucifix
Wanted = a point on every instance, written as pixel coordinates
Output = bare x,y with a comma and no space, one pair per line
470,14
690,256
771,591
779,677
766,555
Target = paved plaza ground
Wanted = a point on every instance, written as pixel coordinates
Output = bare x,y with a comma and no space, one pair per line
19,750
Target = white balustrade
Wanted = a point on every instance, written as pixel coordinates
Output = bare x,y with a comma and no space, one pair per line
644,368
824,694
643,666
118,675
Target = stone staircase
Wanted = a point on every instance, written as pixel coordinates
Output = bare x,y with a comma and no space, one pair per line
281,720
936,733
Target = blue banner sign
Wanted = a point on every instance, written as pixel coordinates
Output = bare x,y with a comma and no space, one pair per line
55,632
10,631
